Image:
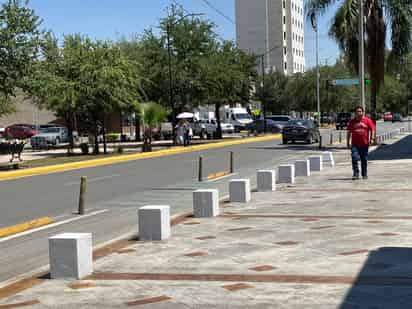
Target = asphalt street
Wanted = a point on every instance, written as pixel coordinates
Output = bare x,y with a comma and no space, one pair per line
121,189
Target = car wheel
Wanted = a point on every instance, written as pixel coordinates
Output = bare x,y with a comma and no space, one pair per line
203,134
309,140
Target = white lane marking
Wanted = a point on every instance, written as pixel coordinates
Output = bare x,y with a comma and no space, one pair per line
223,177
53,225
77,183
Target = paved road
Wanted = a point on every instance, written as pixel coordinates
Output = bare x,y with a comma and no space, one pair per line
120,188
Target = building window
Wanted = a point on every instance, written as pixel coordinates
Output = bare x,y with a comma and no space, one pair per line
285,50
284,4
284,35
286,66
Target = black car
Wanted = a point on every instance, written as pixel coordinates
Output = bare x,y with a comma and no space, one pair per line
342,120
396,117
301,130
258,126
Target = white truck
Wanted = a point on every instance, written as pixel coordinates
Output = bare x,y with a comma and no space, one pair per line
238,117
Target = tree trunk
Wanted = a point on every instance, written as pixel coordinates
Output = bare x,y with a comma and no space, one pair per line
218,121
69,124
96,137
104,134
137,128
374,97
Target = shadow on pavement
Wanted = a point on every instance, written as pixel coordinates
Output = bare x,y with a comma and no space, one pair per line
383,282
300,147
399,150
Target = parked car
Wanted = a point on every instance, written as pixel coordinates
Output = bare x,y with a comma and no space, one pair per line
342,120
258,126
387,116
397,117
20,131
206,129
51,136
301,130
280,120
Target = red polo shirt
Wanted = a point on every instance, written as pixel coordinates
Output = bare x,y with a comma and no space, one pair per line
360,130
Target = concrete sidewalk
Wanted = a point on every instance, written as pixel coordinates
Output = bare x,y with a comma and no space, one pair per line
324,242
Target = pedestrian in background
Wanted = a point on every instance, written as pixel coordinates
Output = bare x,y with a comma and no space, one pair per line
361,134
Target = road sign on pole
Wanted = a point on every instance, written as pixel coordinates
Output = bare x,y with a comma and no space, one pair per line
348,82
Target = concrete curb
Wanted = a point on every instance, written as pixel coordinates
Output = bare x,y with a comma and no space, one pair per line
25,226
139,156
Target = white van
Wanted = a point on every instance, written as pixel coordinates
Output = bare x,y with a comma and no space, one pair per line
238,117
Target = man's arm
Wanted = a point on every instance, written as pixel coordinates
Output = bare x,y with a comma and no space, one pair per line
348,139
372,133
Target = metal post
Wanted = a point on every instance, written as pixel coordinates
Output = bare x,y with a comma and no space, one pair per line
361,56
331,139
171,103
409,115
320,142
83,187
263,94
231,163
317,74
340,137
200,169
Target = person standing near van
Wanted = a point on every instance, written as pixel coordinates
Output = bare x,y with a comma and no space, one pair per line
361,134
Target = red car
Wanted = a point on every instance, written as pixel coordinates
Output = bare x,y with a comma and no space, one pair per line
387,116
20,131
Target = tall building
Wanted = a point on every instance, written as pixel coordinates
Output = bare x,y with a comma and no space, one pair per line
275,29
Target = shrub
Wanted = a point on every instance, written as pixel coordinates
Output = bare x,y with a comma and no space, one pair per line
112,137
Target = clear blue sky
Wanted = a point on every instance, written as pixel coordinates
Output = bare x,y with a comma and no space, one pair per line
111,19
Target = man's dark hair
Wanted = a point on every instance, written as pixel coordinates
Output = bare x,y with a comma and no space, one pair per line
359,107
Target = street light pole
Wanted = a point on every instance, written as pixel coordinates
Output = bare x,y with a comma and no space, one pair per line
361,55
169,25
171,99
317,74
263,93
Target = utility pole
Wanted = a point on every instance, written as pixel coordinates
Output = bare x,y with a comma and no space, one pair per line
314,23
263,93
361,55
171,99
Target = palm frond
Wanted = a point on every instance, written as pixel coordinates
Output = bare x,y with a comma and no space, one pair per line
399,14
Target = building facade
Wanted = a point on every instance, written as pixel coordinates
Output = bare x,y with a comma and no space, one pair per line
273,30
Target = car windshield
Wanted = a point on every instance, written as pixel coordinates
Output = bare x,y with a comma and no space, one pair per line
242,116
298,123
49,130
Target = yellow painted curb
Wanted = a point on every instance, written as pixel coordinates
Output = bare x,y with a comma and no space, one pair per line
22,227
217,175
138,156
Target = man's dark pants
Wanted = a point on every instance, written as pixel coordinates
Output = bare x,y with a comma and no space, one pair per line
360,153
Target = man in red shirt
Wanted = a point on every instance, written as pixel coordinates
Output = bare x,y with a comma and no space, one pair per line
361,134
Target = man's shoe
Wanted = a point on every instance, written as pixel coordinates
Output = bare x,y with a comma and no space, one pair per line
355,177
365,177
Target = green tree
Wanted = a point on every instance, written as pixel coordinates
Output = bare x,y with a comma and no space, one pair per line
379,14
19,40
227,77
151,114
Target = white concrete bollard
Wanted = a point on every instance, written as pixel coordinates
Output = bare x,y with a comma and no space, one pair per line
239,190
71,255
327,159
286,173
154,222
206,203
302,168
266,180
316,164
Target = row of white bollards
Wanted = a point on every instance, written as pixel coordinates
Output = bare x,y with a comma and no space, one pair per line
71,254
